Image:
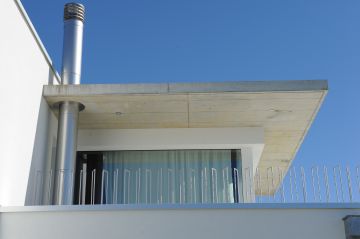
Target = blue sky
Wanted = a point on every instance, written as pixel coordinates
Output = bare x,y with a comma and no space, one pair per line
226,40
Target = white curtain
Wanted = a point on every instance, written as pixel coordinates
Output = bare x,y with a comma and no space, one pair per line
171,176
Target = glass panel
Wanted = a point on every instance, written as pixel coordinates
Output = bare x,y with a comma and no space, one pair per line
172,176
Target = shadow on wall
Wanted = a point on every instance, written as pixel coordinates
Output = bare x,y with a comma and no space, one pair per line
44,150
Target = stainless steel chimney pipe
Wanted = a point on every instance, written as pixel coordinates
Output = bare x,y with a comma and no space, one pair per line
72,48
66,147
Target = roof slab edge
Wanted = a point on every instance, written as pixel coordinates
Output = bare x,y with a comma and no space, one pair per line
181,88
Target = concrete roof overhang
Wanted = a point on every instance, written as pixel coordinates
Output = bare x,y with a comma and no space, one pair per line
285,109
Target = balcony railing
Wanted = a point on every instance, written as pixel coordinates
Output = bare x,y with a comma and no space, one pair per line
317,184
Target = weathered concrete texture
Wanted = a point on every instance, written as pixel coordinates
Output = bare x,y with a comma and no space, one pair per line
285,109
211,87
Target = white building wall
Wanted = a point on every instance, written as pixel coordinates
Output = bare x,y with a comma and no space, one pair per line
174,138
272,222
24,69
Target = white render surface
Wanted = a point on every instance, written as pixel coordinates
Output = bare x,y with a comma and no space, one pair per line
24,68
167,139
271,222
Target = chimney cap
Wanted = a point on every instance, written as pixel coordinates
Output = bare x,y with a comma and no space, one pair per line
74,11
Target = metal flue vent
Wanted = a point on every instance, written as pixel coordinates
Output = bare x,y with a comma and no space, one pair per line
74,11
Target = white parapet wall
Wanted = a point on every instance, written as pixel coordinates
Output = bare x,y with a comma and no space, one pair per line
255,221
24,122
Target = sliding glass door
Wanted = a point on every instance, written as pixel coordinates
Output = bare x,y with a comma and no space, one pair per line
169,177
